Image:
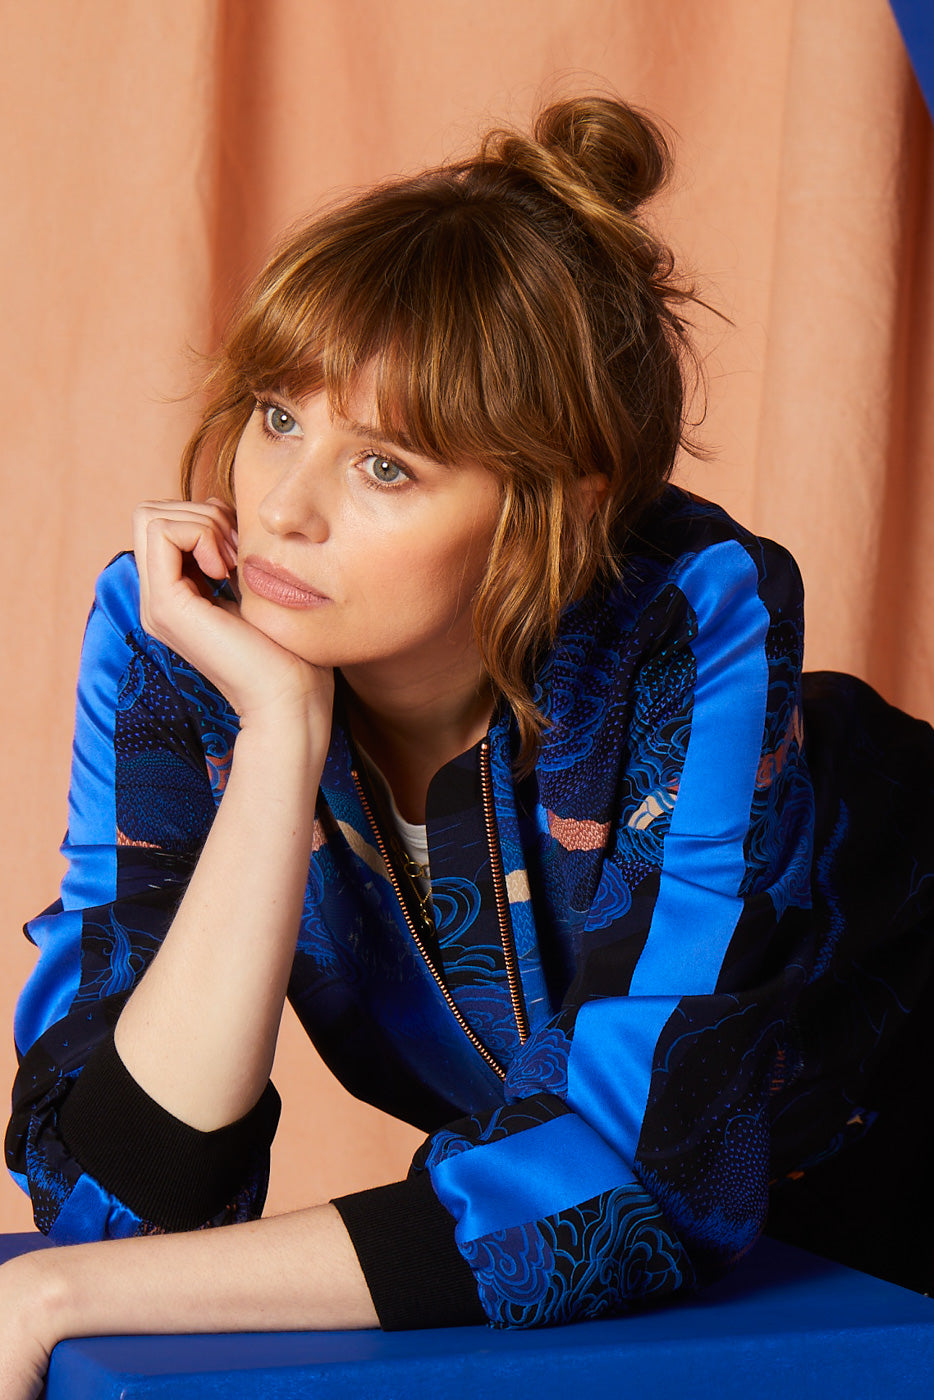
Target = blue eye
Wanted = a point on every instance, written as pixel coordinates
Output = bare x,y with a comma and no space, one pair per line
277,421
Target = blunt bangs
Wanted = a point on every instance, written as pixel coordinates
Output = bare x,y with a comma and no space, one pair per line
431,297
512,310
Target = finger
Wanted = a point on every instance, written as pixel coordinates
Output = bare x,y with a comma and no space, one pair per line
211,525
185,551
216,511
180,554
171,544
231,538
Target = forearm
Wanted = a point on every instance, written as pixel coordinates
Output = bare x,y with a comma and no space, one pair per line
289,1273
199,1032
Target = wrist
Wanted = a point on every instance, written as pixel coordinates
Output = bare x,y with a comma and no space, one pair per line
298,694
49,1306
289,737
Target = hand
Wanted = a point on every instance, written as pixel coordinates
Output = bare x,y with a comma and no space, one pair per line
180,547
279,1274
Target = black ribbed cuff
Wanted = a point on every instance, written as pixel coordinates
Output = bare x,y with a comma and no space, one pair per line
404,1240
169,1174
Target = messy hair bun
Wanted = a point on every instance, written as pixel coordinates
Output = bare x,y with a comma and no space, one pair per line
519,312
591,152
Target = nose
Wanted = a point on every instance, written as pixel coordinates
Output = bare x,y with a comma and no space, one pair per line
292,505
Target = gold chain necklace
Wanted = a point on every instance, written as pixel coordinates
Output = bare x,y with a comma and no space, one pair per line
415,872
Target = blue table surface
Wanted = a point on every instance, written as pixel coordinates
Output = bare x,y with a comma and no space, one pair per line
784,1324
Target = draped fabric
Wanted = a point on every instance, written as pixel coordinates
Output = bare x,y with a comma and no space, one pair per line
153,150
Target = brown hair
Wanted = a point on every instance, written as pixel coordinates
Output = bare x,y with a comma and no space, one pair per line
519,314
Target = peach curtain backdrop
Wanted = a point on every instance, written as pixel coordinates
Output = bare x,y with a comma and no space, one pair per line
153,150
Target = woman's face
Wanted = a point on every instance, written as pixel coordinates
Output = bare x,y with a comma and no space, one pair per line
353,552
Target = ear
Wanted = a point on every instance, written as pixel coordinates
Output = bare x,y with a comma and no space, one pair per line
591,493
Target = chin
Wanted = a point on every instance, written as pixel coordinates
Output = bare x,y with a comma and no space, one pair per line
286,627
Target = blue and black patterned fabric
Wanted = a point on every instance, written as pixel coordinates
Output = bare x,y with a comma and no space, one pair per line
721,895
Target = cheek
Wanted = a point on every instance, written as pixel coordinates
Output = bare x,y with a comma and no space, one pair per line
449,578
240,488
403,597
246,475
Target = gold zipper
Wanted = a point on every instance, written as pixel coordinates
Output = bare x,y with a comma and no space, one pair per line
471,1034
502,900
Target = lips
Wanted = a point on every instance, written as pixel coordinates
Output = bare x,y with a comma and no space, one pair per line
278,585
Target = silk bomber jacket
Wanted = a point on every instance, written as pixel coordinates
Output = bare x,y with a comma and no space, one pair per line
713,917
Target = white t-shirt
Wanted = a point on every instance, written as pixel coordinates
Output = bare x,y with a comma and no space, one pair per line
414,838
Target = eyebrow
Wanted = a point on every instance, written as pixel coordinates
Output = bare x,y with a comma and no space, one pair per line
364,429
367,430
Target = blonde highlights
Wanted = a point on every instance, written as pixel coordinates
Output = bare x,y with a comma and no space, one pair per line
518,314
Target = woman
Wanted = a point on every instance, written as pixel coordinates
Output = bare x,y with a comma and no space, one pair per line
516,810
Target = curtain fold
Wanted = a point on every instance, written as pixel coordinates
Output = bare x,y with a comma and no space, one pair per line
824,460
153,152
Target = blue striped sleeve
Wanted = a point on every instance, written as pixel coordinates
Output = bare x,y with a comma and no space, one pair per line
640,1164
98,1158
